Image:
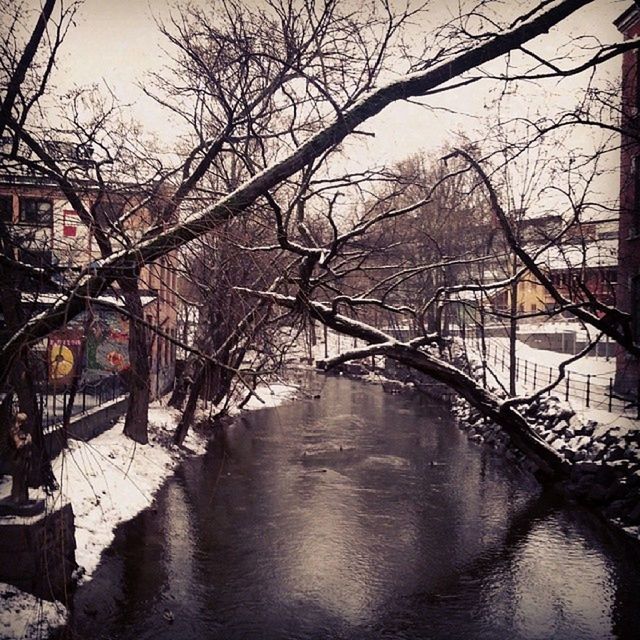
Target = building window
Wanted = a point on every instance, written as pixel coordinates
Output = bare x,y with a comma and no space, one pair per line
35,257
151,334
35,211
6,209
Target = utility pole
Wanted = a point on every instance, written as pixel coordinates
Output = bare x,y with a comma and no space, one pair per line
513,325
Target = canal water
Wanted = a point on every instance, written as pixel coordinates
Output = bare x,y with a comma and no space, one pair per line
358,515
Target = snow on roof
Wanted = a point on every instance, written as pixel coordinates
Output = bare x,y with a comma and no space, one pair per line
52,298
603,253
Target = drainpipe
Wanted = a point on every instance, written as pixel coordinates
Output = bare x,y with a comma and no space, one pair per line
157,347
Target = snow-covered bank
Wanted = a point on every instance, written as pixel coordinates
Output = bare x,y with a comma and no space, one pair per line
25,616
108,480
602,447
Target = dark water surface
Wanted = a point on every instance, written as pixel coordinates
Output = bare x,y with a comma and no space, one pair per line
359,515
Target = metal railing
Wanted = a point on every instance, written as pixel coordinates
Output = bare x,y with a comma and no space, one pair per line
89,395
593,390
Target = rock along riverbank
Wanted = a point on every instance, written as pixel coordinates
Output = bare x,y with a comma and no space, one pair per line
604,458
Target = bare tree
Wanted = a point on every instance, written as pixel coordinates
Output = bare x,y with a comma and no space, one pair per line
24,72
233,337
281,108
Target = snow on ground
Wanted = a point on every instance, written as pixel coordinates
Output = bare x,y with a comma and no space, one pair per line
620,421
108,480
25,616
271,395
596,366
589,376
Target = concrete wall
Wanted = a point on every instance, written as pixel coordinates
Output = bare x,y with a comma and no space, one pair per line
37,554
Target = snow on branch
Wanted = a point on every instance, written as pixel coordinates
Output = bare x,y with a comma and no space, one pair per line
411,355
154,245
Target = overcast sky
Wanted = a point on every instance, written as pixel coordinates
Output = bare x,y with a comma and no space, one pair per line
117,42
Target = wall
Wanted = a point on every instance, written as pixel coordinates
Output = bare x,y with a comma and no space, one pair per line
37,554
628,369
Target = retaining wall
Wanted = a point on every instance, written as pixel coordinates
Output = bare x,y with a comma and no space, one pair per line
37,554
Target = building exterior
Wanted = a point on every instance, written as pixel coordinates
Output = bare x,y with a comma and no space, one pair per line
586,258
45,231
628,289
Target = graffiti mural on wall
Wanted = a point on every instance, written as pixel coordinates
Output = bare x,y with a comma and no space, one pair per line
107,342
64,352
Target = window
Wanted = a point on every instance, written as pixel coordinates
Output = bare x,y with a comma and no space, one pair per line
35,211
108,211
172,350
35,257
501,300
151,334
6,209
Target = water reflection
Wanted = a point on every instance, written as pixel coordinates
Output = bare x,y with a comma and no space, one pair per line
179,549
360,515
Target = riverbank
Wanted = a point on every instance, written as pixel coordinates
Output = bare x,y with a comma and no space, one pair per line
602,448
357,515
108,480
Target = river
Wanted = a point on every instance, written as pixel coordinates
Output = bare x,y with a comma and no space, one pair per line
358,515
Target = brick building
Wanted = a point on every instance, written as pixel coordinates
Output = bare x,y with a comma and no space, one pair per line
45,231
628,291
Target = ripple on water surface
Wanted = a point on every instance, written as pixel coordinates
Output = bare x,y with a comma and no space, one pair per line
357,516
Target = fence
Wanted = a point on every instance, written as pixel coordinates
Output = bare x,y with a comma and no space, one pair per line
90,394
592,390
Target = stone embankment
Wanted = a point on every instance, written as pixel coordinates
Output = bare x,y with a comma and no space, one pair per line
605,458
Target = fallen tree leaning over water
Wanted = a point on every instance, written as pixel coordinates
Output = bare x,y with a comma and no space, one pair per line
418,355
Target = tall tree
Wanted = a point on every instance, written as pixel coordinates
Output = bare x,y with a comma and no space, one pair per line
291,100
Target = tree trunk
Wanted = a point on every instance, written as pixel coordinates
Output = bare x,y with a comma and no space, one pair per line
483,345
183,383
36,470
33,467
513,332
189,411
137,418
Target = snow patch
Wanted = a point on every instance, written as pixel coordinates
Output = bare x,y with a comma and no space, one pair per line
108,480
25,616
